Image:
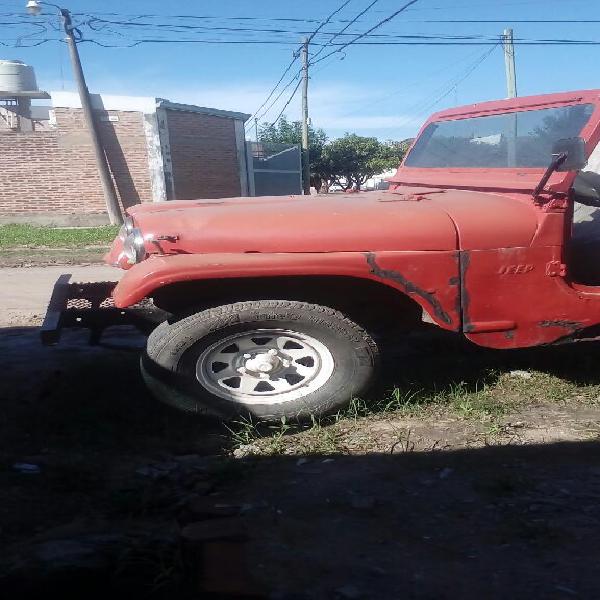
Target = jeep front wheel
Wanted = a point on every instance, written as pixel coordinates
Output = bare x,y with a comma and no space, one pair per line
268,359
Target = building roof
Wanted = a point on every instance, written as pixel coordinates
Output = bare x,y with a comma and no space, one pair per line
33,94
143,104
216,112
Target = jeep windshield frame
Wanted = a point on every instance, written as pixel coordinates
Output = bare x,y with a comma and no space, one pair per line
503,145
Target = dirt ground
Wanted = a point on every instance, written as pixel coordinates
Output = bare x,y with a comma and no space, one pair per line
30,257
479,478
25,291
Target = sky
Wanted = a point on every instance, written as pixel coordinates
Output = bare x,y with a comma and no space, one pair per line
378,90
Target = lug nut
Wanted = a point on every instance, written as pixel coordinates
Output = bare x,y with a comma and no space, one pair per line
247,356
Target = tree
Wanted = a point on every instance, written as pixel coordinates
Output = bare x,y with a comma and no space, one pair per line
290,132
352,159
348,161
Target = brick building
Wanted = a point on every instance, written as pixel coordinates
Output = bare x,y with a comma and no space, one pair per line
157,150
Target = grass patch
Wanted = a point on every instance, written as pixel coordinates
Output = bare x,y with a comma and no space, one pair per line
32,236
485,390
484,403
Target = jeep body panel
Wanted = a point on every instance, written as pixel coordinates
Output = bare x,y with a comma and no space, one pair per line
470,245
414,220
348,223
429,278
527,301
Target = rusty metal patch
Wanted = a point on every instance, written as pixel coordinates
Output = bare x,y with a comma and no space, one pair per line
570,325
409,287
464,258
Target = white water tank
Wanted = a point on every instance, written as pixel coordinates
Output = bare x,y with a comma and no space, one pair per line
16,76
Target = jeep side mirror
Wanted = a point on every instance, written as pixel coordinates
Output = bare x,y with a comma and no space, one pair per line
574,148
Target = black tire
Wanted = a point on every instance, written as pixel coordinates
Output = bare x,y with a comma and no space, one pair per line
169,363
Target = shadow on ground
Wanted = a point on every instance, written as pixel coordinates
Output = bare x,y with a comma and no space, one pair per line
84,416
502,522
436,359
121,478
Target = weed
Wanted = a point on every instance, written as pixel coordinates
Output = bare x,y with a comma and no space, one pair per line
357,409
243,432
403,442
403,400
275,443
493,429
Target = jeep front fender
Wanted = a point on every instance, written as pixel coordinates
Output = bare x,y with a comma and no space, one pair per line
430,278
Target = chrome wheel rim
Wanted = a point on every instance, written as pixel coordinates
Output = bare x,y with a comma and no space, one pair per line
265,366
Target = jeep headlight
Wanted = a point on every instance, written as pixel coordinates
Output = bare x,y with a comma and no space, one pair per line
133,247
126,228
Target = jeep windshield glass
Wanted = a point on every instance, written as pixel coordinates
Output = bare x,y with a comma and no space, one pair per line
516,139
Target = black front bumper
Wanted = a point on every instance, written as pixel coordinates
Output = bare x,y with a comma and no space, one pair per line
90,306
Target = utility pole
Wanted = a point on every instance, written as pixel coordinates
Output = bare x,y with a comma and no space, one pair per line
511,88
305,153
110,195
256,128
509,63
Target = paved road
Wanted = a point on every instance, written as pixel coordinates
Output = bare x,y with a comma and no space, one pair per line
24,292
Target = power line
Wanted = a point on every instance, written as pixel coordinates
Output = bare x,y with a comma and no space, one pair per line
175,28
376,26
486,4
288,102
100,28
409,85
328,19
542,21
104,37
285,87
447,89
285,72
262,30
296,54
313,20
411,41
342,31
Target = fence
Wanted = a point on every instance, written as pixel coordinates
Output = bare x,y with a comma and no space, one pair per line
274,169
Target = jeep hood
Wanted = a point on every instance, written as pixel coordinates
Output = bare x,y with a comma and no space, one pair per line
414,219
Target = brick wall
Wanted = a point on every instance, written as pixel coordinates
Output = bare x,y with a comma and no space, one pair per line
55,172
204,155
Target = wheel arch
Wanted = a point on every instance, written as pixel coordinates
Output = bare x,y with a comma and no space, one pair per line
365,286
371,304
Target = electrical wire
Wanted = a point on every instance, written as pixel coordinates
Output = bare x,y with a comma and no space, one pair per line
105,31
288,102
285,72
446,89
296,55
287,86
406,41
342,31
380,99
328,19
376,26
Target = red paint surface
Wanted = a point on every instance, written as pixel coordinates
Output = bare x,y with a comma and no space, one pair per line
429,271
531,299
448,238
310,224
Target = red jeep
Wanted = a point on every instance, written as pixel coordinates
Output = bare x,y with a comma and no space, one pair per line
277,305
